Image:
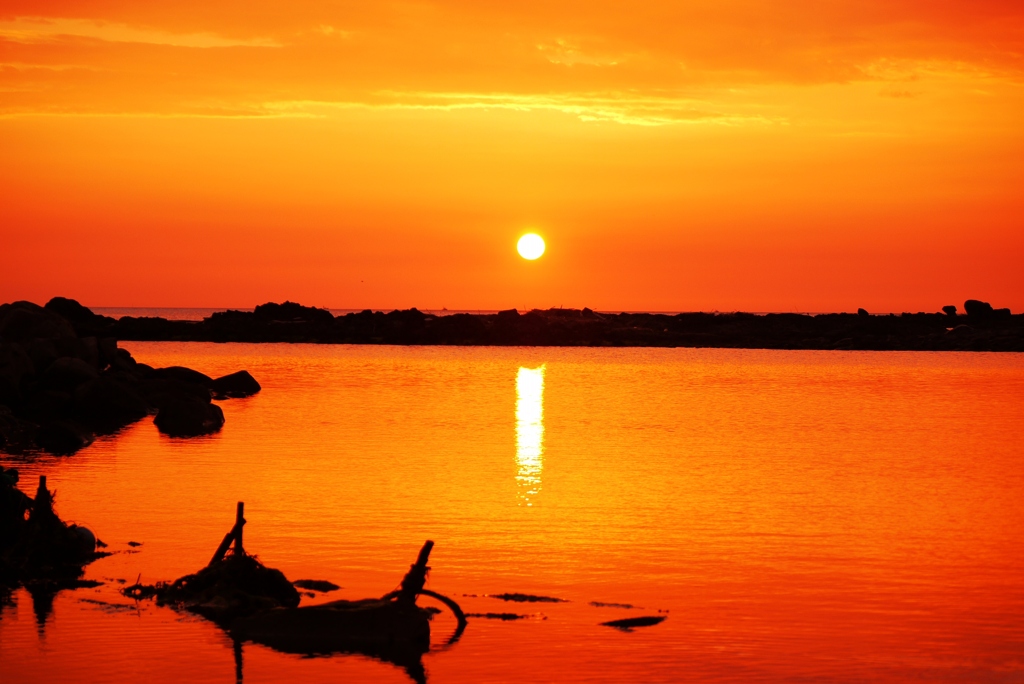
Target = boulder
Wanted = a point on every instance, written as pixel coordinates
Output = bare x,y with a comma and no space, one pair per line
235,385
862,312
63,437
977,308
47,405
122,360
106,405
71,310
189,418
67,373
15,366
290,312
25,320
16,434
42,351
182,374
107,348
949,310
84,539
161,392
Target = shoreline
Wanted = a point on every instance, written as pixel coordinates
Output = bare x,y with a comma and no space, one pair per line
988,330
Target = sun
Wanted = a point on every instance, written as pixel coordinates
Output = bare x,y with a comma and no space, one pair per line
531,246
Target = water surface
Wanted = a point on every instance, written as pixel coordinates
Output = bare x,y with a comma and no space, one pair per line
798,516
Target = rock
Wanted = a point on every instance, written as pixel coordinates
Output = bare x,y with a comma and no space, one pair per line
179,418
71,310
89,351
122,360
15,366
316,585
527,598
42,351
67,373
106,405
25,320
63,437
949,310
47,405
862,312
161,392
291,312
627,624
16,435
183,374
977,308
107,348
86,540
235,385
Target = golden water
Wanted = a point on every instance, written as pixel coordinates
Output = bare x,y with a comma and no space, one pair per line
801,516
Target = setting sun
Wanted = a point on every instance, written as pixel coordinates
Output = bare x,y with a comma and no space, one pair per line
531,246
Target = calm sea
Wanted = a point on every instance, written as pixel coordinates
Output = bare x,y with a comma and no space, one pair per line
797,516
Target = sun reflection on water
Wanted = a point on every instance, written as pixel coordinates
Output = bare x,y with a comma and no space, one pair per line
529,432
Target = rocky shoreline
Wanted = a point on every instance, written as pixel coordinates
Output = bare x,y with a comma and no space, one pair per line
61,386
64,380
978,328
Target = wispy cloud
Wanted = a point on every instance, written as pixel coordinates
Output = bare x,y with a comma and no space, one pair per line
568,53
621,108
38,29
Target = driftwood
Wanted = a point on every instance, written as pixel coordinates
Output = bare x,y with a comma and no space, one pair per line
235,535
391,628
412,585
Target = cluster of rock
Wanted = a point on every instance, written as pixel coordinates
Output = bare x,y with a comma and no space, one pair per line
61,383
981,328
35,544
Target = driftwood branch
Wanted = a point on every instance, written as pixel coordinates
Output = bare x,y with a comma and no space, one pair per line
235,535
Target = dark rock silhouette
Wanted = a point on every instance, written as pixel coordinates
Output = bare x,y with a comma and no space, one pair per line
106,404
67,373
316,585
978,309
181,374
862,312
235,385
39,547
290,311
64,380
628,624
189,418
21,321
949,310
62,437
290,322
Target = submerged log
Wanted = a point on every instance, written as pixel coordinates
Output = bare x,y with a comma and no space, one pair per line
259,604
392,628
230,586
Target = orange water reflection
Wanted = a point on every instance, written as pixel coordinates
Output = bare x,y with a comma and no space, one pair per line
529,431
816,516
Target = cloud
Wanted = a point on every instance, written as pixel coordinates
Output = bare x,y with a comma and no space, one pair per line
570,54
39,29
622,108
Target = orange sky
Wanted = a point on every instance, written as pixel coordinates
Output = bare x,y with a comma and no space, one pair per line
720,154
